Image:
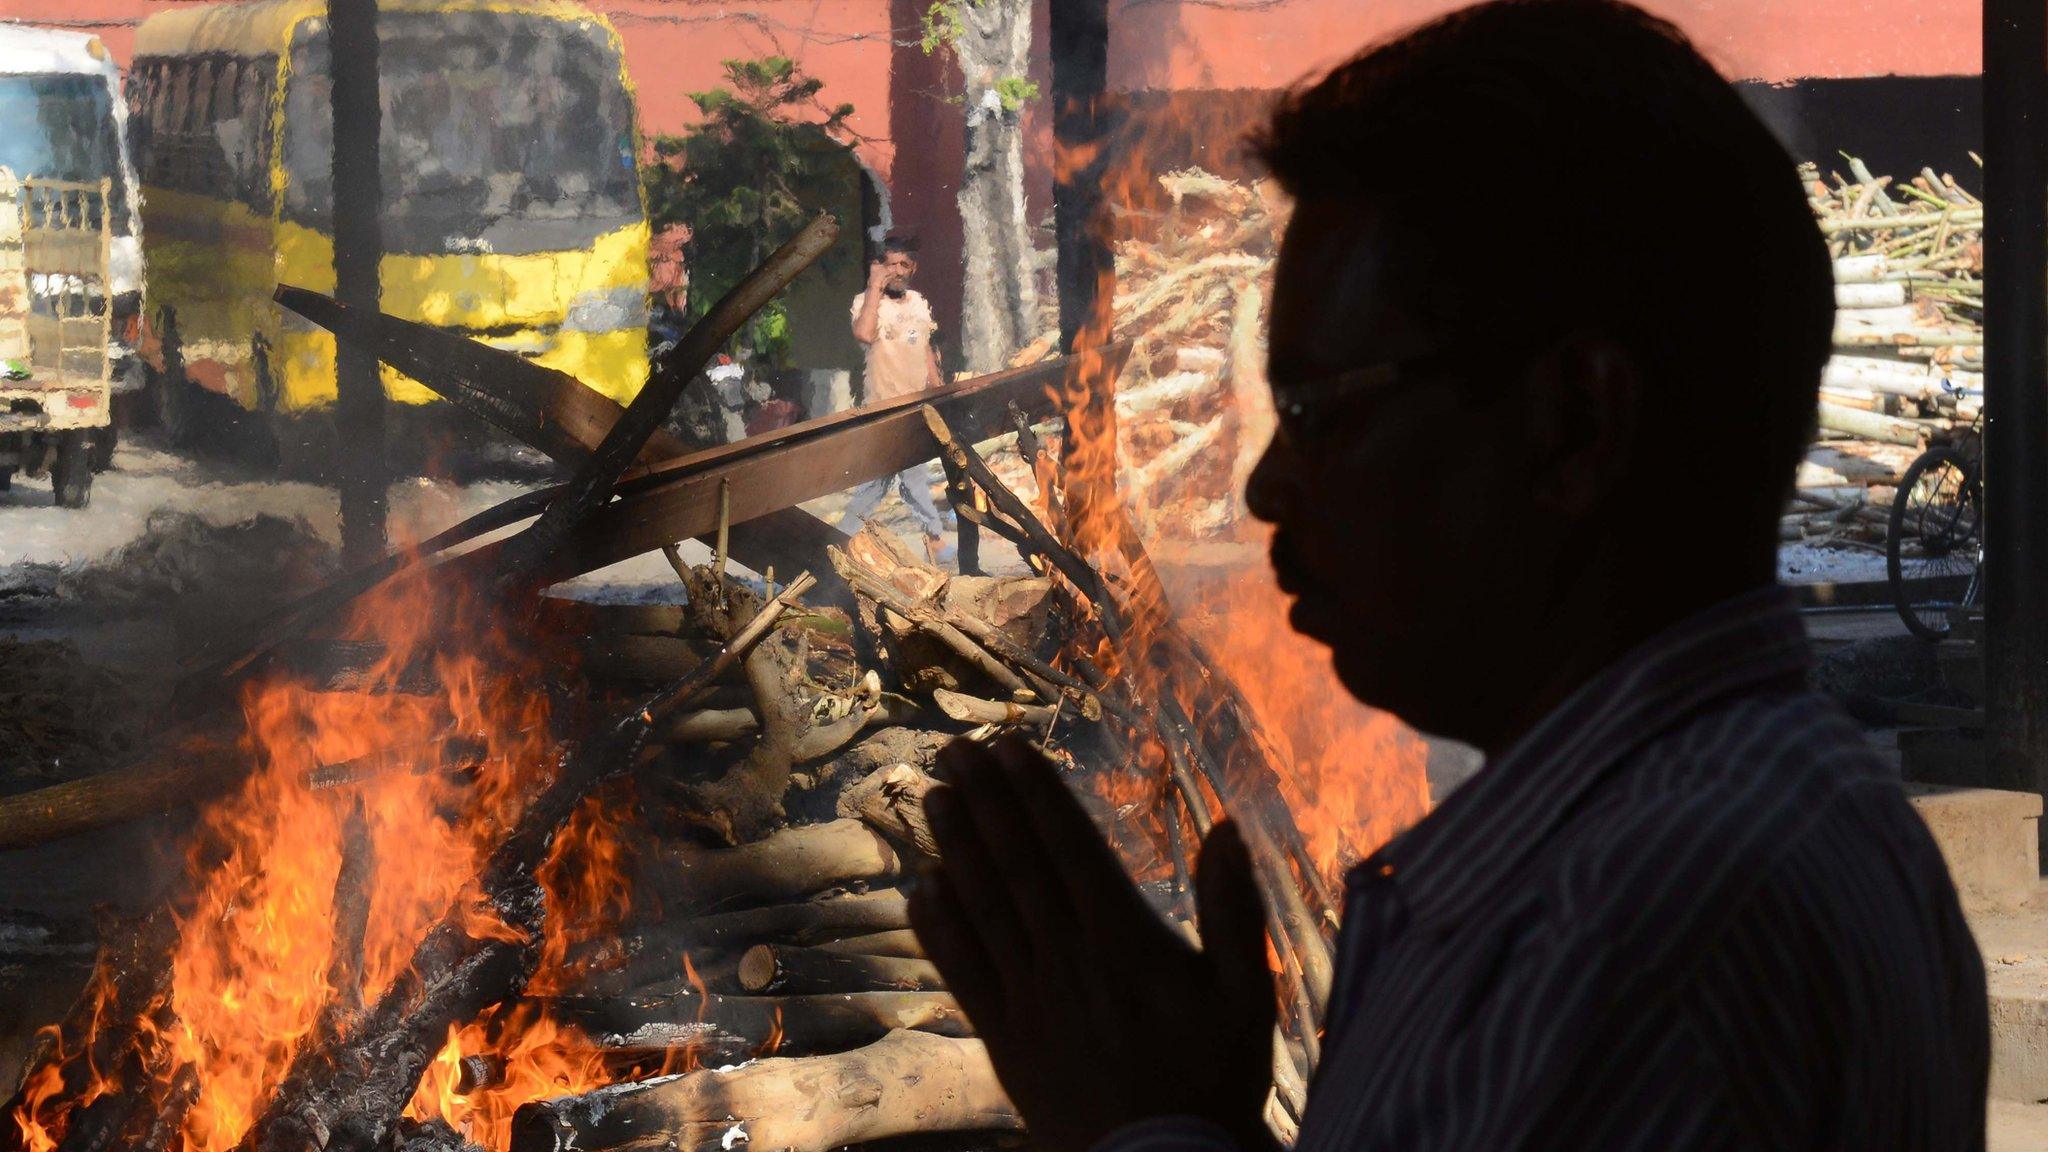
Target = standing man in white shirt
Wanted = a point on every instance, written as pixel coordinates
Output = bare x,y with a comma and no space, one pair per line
894,324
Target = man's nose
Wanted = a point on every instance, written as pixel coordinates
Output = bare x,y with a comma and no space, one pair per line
1272,489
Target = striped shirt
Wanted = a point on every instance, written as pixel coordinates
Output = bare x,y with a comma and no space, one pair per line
1689,911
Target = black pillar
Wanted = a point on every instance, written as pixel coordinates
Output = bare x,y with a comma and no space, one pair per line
1079,42
358,247
2016,392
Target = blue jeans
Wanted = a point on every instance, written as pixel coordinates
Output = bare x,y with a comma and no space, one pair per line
915,484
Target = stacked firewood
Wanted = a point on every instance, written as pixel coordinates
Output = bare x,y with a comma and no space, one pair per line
768,986
770,989
1907,369
765,989
1192,286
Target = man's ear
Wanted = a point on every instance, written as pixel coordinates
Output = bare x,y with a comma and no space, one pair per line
1585,410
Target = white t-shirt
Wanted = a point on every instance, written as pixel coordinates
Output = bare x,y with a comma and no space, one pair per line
897,359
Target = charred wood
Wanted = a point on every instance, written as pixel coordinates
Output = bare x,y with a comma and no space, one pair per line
352,892
333,665
769,473
677,498
166,1120
431,1136
541,406
102,1029
456,754
349,1095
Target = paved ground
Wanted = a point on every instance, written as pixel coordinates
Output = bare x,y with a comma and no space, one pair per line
2014,942
2017,1127
147,478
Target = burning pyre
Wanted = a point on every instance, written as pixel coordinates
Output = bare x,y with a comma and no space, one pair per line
479,888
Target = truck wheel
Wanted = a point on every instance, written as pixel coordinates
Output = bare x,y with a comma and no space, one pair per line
6,479
71,478
102,441
173,408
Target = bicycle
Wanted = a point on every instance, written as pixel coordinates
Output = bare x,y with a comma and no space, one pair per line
1934,548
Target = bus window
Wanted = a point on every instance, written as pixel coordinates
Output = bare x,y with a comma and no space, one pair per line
161,82
472,157
151,128
176,123
257,80
204,78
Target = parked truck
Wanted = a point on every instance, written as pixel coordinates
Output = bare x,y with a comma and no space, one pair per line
70,258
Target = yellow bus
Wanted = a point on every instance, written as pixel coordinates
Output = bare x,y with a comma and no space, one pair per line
512,205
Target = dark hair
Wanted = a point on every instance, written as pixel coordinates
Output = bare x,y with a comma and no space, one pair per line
897,243
1576,164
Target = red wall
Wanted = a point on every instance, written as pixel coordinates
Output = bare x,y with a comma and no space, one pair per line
672,48
1168,43
866,52
676,48
676,45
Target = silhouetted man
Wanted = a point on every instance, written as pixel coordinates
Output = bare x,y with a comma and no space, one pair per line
1682,908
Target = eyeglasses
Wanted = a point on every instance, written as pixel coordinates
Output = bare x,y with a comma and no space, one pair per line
1311,409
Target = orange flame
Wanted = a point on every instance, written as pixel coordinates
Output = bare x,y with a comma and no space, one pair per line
250,972
1352,777
31,1119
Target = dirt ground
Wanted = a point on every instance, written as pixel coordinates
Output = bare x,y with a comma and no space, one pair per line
39,540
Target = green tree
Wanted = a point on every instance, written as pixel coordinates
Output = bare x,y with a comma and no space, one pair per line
766,157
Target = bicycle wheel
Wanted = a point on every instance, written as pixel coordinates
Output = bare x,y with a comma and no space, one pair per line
1935,545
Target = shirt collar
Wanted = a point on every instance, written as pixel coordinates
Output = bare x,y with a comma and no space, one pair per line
1456,856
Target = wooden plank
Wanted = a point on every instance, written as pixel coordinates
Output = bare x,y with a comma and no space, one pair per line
555,413
680,499
549,409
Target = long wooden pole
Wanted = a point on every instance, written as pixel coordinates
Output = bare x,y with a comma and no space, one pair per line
358,249
903,1083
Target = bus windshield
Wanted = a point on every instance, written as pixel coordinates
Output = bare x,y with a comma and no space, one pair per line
502,132
60,126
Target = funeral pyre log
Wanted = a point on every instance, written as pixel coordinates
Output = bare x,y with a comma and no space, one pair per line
541,874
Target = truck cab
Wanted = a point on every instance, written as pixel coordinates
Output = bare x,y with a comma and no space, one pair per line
70,257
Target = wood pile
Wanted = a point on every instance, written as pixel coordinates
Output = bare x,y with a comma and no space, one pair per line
773,959
759,760
1193,413
1194,282
1907,369
766,986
